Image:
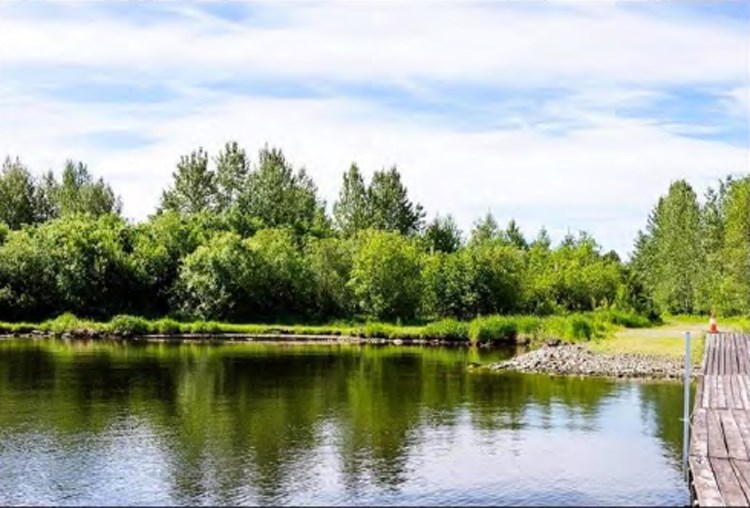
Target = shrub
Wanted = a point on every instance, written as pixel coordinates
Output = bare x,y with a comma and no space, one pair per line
205,327
446,329
128,325
579,328
493,328
61,324
167,326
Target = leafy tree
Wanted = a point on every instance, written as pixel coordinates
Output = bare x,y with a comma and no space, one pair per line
485,229
219,280
17,206
329,261
448,285
514,236
669,253
389,204
78,192
386,275
442,235
736,250
193,187
278,196
46,206
351,212
232,170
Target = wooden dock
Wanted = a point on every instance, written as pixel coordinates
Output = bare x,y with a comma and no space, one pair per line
719,456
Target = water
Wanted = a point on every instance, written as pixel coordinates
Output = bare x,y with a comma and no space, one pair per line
111,423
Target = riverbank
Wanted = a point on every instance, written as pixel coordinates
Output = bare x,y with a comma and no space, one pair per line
485,330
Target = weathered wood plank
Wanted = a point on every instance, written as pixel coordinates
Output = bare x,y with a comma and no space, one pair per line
742,387
732,436
717,446
742,418
721,396
704,482
709,354
729,486
742,471
703,396
699,434
733,397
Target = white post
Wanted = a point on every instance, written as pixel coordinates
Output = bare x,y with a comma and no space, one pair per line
686,409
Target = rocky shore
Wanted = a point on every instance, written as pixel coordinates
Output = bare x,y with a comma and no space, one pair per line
578,360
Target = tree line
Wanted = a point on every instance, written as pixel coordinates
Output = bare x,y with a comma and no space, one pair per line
243,238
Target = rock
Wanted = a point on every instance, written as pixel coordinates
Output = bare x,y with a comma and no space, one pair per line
578,360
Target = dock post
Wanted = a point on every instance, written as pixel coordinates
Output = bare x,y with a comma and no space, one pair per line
686,410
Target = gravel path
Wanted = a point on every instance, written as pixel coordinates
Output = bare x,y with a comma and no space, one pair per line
580,361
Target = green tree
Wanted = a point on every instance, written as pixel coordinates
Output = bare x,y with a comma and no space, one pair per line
669,254
278,196
220,279
329,261
232,170
442,235
193,187
351,211
78,192
389,205
485,229
735,254
514,236
17,189
386,275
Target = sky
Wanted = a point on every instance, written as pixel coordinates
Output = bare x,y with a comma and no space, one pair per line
569,114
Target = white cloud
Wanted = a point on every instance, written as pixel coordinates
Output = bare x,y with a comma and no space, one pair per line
395,41
598,171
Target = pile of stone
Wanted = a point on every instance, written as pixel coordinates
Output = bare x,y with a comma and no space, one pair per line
581,361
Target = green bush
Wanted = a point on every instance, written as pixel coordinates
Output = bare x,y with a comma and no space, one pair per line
628,319
63,323
446,329
205,327
129,325
167,326
579,328
493,328
529,326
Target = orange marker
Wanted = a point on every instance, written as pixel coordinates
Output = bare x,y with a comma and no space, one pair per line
712,327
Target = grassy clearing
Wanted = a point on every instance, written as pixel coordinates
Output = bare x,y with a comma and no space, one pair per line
572,328
667,339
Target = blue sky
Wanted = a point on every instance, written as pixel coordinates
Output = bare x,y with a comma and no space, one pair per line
572,114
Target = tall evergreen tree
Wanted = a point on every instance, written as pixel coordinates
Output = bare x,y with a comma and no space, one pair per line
389,204
514,236
351,211
193,187
485,229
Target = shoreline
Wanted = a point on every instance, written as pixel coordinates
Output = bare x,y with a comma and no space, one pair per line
267,338
575,360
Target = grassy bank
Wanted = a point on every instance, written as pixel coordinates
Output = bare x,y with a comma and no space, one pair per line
486,329
667,339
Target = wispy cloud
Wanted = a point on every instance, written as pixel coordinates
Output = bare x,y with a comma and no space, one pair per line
564,113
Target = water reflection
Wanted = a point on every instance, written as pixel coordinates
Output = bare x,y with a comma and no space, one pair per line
93,422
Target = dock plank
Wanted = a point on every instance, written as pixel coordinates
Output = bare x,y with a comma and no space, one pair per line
719,447
729,485
742,471
732,436
704,482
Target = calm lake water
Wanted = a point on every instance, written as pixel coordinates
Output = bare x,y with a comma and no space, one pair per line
115,423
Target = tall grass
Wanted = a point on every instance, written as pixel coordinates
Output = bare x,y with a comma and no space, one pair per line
484,329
